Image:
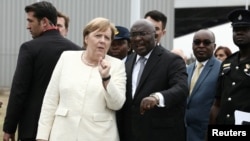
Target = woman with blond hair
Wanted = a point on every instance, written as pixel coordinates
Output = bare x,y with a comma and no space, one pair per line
86,89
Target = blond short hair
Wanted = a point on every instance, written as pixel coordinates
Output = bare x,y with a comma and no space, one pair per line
101,24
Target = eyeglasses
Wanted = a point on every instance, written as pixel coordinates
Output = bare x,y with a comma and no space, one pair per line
140,33
205,42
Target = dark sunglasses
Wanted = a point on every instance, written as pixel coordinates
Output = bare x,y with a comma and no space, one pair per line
140,33
205,42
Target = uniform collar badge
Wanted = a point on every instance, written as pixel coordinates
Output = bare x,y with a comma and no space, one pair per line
247,66
226,65
240,17
247,69
116,31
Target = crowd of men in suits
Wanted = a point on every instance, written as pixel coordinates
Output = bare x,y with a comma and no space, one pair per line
162,97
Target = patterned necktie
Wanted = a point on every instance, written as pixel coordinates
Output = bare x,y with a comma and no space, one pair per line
141,61
196,75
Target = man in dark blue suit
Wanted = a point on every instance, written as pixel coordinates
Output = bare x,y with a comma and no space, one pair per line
36,61
202,92
155,106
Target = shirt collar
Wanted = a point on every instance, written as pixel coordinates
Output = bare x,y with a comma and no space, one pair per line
204,62
146,56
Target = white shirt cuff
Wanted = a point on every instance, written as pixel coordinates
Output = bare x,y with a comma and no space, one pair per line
161,99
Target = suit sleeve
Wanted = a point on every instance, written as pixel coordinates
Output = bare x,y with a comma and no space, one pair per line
21,84
50,103
177,81
116,88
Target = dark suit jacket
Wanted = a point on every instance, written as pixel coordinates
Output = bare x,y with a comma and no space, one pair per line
164,72
36,61
201,99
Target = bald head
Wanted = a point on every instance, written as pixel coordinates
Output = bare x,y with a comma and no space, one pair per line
207,32
142,37
203,44
144,22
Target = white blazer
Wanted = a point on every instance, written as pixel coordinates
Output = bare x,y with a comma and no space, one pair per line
76,106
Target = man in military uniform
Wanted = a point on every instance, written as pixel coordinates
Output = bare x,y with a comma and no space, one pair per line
234,81
120,46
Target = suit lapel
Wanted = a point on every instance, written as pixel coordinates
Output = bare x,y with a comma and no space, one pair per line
151,62
129,70
190,70
204,74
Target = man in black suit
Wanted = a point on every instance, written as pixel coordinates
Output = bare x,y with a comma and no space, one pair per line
154,109
35,64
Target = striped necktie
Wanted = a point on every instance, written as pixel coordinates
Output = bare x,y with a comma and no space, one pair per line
141,61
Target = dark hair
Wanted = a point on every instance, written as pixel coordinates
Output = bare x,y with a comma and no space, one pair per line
43,9
225,49
157,16
66,18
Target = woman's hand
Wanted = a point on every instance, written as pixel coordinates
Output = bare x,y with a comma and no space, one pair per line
104,68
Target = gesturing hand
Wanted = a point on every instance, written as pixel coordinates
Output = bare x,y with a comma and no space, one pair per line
147,103
8,137
104,67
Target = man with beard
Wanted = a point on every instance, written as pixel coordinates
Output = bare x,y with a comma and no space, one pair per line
35,64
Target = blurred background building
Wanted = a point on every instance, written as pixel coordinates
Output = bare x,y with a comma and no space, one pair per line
184,17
